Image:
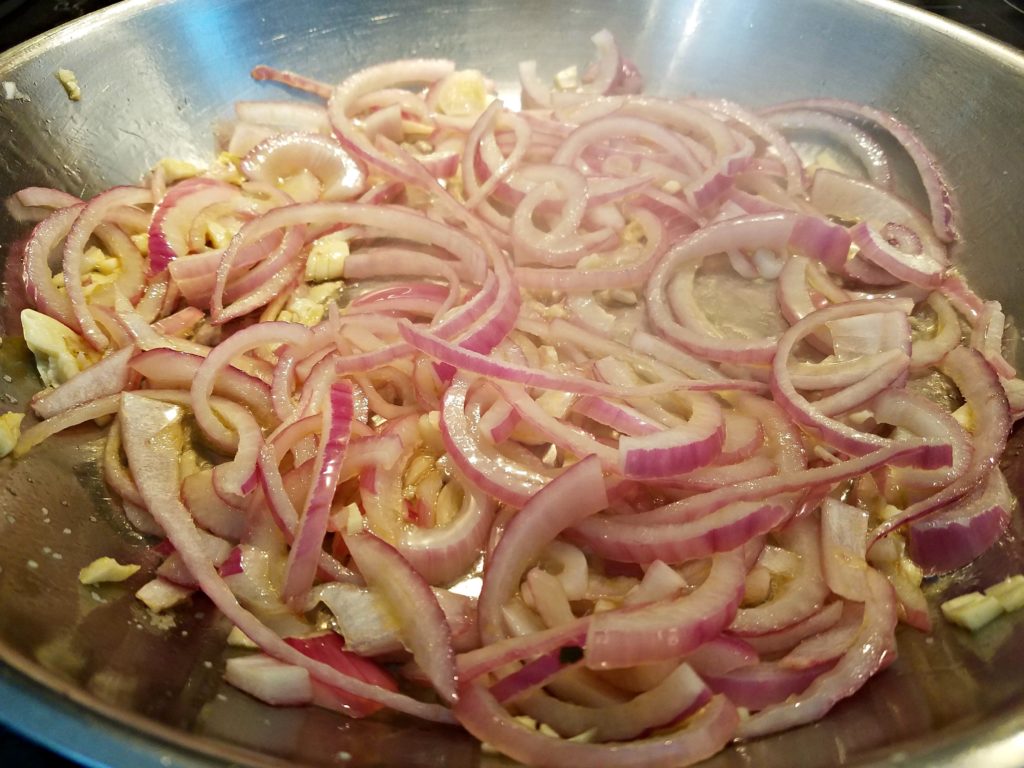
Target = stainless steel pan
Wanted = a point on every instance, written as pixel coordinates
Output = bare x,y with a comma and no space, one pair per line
88,672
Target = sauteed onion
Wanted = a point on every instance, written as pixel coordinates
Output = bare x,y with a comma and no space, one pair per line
613,428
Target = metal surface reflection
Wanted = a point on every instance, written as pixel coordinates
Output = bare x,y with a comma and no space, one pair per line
156,75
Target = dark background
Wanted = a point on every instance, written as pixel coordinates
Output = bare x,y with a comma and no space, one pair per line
23,19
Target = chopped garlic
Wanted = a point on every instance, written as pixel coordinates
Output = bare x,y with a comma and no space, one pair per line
603,604
11,92
68,79
888,511
95,260
912,571
106,569
463,93
861,418
418,468
965,416
671,186
303,187
176,170
326,260
556,404
1009,592
141,242
548,355
415,128
304,311
159,595
621,296
228,168
594,260
218,235
238,639
568,79
324,293
353,519
429,428
10,431
60,352
972,611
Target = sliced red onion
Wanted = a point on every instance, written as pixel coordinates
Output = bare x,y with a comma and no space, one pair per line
979,386
89,220
209,510
152,435
792,480
957,535
800,597
704,734
221,357
168,230
675,450
669,629
878,213
921,416
826,647
442,554
721,655
859,143
844,531
421,621
732,525
771,231
167,368
784,640
834,432
674,698
940,198
532,676
917,268
391,74
872,649
475,362
330,649
762,685
45,240
577,493
292,80
987,338
341,177
107,377
481,464
292,115
37,203
304,554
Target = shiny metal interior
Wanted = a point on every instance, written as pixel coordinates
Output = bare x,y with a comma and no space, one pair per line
86,669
